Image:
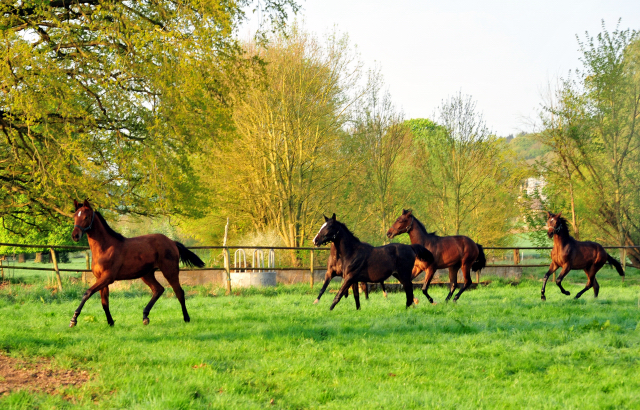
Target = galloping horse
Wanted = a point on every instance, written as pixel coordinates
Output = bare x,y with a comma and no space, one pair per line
569,253
334,268
115,257
453,252
362,262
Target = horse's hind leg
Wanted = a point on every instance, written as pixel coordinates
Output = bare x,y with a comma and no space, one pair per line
356,294
453,279
174,281
408,290
104,297
596,287
466,271
157,289
427,281
365,289
591,282
565,271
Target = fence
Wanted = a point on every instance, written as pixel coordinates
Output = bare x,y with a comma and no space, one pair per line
517,259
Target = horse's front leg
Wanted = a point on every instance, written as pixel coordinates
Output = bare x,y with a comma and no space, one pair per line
104,296
346,282
101,283
327,278
565,271
408,289
356,294
552,268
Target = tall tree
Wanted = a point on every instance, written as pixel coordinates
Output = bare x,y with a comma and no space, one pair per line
98,99
281,169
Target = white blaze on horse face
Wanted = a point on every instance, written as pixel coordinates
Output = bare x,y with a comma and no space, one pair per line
79,213
322,227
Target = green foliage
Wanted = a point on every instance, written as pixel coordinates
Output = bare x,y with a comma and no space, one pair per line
500,342
108,100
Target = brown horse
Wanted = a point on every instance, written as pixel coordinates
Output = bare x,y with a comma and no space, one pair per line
568,253
334,268
453,252
114,257
362,262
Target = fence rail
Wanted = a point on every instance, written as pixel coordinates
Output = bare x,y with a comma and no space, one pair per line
227,265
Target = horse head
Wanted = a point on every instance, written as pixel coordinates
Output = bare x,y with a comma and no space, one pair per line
554,223
82,219
403,224
328,231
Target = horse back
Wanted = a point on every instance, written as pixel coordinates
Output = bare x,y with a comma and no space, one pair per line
144,254
453,250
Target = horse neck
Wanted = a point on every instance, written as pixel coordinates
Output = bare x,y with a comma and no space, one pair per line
346,244
417,235
99,238
561,239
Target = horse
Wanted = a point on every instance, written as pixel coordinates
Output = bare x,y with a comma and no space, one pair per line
569,253
453,252
362,262
334,268
115,257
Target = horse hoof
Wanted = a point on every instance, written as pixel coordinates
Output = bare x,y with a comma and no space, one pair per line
416,301
145,321
544,298
315,302
384,294
566,292
111,324
73,323
434,303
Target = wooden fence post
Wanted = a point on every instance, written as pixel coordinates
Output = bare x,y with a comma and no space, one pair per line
55,267
311,270
227,269
623,260
1,268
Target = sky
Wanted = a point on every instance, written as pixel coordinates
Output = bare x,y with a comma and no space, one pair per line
502,53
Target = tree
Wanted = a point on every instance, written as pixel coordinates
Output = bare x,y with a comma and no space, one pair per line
282,166
600,116
377,139
466,175
98,100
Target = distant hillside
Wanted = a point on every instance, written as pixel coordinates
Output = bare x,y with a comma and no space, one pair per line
526,147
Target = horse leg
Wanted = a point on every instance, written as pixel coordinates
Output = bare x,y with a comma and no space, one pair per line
565,271
365,289
101,282
327,279
408,289
427,281
356,294
104,297
591,282
384,291
174,281
157,289
343,289
466,271
453,279
552,269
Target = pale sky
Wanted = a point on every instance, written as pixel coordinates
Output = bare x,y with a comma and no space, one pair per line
503,53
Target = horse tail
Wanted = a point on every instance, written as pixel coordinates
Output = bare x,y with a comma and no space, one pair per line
187,257
423,253
481,262
615,264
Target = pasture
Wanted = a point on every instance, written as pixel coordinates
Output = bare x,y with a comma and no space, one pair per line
500,346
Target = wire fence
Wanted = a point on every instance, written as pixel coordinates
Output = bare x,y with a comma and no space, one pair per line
69,259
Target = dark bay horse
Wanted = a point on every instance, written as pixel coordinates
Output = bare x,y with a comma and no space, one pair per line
568,253
453,252
334,268
114,257
362,262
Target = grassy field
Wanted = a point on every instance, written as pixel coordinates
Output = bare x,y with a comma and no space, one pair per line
498,347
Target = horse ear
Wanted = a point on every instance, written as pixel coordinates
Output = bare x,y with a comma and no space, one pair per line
409,212
76,204
325,218
548,214
559,214
334,216
86,203
404,212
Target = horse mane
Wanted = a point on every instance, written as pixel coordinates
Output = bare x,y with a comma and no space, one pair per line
344,227
562,226
109,230
421,226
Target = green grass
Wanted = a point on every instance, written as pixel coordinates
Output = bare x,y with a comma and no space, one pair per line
498,347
